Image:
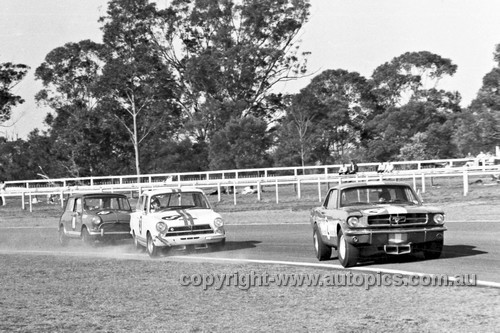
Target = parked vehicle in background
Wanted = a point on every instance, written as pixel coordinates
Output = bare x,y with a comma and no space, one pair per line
175,217
363,219
95,216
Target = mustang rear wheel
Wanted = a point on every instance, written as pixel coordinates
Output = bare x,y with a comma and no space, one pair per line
347,253
151,247
323,251
63,239
432,250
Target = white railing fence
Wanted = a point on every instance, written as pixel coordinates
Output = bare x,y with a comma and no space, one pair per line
415,172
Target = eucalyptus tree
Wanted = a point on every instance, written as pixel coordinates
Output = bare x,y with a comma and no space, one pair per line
10,75
69,76
137,87
227,56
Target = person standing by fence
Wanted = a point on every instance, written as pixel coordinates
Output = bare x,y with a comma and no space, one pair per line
2,193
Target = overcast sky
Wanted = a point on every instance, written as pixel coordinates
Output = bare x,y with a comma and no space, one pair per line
355,35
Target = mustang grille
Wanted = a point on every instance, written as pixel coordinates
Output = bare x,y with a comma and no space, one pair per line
395,220
189,230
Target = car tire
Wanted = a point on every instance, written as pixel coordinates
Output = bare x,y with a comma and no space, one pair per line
136,242
63,239
151,248
219,246
432,250
86,238
323,251
347,253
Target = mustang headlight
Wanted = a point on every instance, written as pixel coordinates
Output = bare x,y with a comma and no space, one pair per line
353,221
96,220
218,222
438,218
161,226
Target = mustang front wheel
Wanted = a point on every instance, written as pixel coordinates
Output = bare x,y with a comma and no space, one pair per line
323,251
347,253
432,250
151,247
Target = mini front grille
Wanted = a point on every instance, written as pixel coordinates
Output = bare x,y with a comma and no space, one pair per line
396,220
189,230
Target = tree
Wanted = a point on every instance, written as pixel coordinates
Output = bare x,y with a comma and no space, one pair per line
228,55
410,76
10,75
135,84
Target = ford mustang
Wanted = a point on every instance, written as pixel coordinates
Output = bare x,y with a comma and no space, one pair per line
175,217
363,219
95,216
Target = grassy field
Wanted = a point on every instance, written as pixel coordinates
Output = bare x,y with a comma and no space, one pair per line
47,289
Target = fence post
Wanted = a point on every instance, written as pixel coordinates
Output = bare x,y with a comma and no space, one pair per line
61,198
319,189
298,188
423,183
31,203
258,191
414,182
277,195
466,183
218,192
234,192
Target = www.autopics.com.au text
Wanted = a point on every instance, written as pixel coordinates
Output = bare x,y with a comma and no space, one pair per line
246,281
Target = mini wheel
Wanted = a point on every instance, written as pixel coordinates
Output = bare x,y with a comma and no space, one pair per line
86,238
63,239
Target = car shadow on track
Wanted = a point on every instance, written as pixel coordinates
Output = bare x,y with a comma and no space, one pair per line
457,251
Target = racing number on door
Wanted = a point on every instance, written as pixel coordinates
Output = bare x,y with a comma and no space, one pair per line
140,225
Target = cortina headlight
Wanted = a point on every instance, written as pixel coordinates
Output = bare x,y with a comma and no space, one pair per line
218,222
439,218
161,226
353,221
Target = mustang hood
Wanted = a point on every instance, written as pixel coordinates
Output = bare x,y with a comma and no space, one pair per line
186,217
394,209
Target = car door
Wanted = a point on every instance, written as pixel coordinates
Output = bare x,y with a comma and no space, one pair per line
76,220
329,218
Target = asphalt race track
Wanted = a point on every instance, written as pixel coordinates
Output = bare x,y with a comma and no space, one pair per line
470,248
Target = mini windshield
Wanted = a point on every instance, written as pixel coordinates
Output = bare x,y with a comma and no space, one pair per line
385,194
179,200
108,203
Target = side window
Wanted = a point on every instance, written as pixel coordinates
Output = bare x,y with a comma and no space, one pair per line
332,200
70,205
78,205
327,199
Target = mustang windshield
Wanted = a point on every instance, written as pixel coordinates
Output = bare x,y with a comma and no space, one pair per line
383,194
181,200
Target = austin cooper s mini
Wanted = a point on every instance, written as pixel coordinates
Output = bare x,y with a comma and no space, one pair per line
95,216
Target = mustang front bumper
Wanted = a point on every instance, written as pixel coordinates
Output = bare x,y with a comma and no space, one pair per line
394,240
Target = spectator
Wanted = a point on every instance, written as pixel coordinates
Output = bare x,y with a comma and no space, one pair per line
2,192
381,167
389,167
353,168
344,170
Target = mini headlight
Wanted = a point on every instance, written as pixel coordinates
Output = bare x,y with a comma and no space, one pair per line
353,221
439,218
96,220
161,226
218,222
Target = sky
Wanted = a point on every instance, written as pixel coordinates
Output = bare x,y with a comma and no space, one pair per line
355,35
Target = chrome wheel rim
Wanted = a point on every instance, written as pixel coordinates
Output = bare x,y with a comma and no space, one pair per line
342,247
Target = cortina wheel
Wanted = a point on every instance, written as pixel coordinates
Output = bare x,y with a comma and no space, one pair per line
323,252
151,247
347,253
